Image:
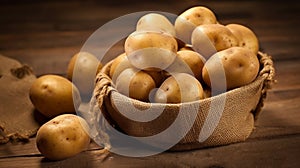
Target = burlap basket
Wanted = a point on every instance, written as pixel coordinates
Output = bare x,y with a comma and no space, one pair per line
242,107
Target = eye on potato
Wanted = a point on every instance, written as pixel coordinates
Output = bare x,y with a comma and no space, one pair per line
240,67
62,137
150,50
211,38
155,22
52,95
187,21
246,37
179,88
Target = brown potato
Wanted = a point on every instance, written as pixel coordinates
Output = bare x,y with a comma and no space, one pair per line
118,65
150,50
135,84
187,21
194,60
155,22
157,76
53,95
62,137
239,65
211,38
179,88
84,66
245,36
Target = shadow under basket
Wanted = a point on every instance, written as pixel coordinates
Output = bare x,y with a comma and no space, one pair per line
219,120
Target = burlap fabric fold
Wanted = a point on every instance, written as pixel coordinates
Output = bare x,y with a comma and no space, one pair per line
17,119
236,122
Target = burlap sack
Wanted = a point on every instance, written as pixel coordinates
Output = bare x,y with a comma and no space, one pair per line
235,124
17,117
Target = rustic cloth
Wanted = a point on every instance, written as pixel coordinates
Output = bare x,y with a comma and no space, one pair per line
17,121
236,122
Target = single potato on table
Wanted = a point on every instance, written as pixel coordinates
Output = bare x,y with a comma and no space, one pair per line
83,66
62,137
53,95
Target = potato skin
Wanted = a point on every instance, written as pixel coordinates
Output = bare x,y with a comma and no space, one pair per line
194,60
85,66
118,65
155,22
211,38
62,137
135,84
240,65
187,21
246,37
150,50
53,95
179,88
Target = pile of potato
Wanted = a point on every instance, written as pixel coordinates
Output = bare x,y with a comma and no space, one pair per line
162,63
166,63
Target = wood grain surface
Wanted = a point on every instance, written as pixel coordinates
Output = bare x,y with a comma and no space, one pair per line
46,34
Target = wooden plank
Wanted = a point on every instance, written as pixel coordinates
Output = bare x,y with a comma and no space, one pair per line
281,152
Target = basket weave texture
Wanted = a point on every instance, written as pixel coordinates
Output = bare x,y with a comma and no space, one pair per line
240,108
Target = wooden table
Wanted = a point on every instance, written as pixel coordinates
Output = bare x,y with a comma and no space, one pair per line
46,34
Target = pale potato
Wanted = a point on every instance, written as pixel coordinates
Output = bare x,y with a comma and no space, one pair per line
155,22
135,84
179,88
211,38
150,50
187,21
239,65
246,37
62,137
83,66
53,95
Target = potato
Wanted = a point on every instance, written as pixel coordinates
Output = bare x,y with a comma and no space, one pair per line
150,50
211,38
155,22
135,84
118,65
179,88
194,60
187,21
83,66
240,66
246,37
62,137
53,95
